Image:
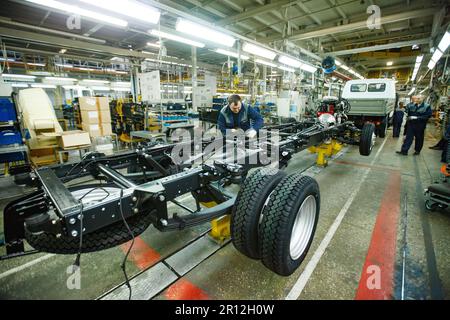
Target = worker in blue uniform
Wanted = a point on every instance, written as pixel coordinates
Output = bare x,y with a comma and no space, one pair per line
418,112
398,120
237,115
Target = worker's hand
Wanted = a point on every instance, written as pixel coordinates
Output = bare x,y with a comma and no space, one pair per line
413,117
251,133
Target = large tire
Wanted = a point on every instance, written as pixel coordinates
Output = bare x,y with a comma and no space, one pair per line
246,213
289,223
366,140
102,239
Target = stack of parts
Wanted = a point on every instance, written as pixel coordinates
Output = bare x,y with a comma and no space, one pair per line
95,116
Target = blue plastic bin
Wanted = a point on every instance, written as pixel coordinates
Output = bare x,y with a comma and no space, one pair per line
10,137
7,110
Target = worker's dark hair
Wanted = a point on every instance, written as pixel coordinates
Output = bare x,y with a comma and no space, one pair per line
234,99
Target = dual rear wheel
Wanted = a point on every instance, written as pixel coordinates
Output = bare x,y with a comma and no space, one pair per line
275,218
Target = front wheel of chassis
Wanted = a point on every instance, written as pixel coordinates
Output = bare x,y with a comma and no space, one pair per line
367,139
289,223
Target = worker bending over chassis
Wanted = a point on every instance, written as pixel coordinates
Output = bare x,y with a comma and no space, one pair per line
237,115
418,112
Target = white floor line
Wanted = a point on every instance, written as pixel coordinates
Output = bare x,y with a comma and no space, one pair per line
312,264
25,266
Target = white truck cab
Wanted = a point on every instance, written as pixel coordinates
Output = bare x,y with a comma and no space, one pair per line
371,100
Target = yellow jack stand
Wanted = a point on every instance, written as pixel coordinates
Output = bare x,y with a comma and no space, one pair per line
325,150
220,227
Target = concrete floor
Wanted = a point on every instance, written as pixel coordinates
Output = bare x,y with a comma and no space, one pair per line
362,200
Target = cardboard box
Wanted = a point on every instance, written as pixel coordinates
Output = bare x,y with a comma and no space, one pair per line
103,104
70,139
88,103
95,117
75,138
98,130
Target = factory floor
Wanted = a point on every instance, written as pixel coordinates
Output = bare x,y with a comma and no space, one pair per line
372,222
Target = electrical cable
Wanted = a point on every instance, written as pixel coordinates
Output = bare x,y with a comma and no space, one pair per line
123,266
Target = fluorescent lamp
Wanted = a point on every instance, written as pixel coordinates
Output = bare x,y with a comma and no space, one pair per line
424,90
60,79
431,64
445,42
338,63
155,45
130,8
308,68
122,89
231,54
258,51
289,61
286,69
43,86
345,67
36,64
95,81
18,76
389,63
101,88
176,38
419,59
71,9
19,85
436,55
62,51
121,84
64,65
85,69
8,59
267,63
203,32
412,91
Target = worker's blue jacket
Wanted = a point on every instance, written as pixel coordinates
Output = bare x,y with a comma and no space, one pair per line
247,118
398,116
422,111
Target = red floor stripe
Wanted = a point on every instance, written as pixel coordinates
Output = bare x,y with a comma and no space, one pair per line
185,290
380,258
141,254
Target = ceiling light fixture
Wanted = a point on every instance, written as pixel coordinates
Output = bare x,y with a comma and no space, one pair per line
82,12
130,8
259,51
176,38
267,63
204,32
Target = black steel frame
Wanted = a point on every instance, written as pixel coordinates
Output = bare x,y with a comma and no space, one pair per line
152,180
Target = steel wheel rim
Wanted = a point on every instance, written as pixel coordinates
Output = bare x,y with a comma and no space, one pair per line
266,203
303,227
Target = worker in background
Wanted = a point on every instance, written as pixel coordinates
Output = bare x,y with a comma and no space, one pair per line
398,120
418,112
237,115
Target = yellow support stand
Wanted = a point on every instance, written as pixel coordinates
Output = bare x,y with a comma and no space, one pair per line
220,227
325,150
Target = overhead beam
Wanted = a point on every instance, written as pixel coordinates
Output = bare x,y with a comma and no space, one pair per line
356,25
381,47
252,12
306,10
69,43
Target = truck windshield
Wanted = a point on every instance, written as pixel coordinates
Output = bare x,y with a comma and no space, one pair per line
361,87
377,87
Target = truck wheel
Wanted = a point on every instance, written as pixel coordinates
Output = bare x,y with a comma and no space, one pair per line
247,210
367,139
289,223
382,128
